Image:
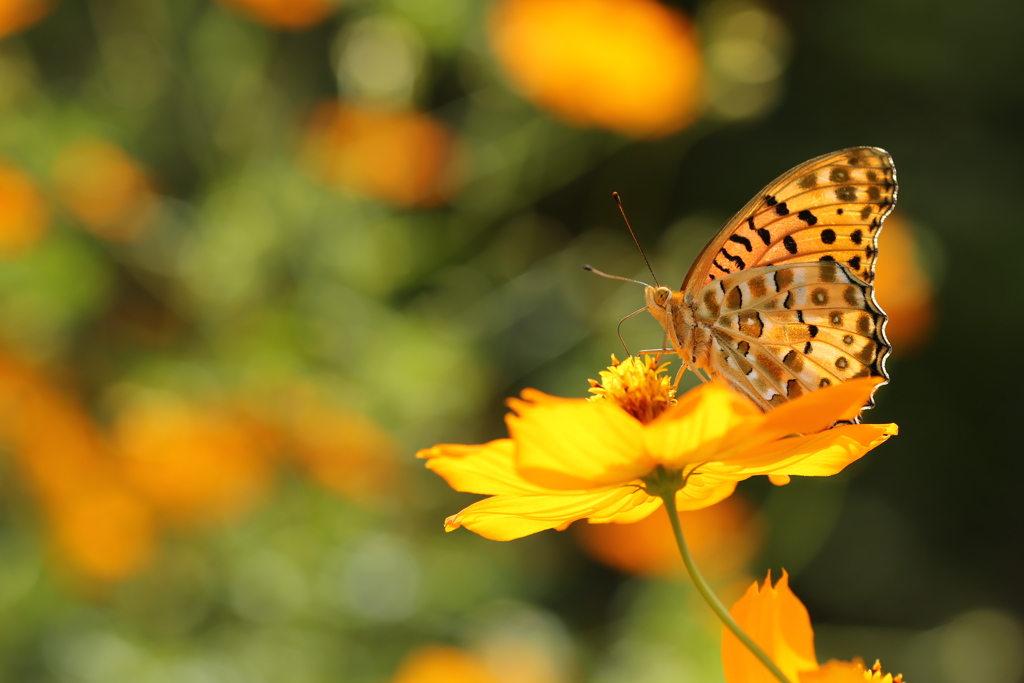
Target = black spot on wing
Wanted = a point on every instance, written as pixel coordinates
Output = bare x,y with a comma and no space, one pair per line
765,236
735,259
741,240
789,243
807,217
828,236
782,209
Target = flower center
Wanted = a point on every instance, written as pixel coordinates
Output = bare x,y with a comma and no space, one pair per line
636,385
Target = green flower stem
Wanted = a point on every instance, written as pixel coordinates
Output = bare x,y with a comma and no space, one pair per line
713,602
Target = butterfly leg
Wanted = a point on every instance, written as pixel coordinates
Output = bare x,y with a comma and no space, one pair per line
701,375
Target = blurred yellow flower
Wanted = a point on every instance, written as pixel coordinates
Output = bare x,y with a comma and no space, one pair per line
723,539
23,213
632,66
607,458
778,622
286,14
105,189
195,465
17,15
442,664
401,157
903,288
99,525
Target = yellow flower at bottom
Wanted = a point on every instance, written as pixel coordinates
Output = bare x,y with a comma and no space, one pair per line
609,458
443,664
778,622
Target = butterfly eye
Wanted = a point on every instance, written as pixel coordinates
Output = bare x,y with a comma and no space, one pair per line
661,295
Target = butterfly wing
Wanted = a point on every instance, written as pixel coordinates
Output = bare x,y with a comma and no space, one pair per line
781,331
827,209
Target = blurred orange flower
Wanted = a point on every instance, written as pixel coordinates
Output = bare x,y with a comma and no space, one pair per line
632,66
105,529
778,622
23,213
17,15
903,288
442,664
608,458
105,189
100,526
344,451
285,14
195,465
723,539
402,157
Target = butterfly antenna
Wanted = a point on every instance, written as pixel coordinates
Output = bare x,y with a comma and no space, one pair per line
622,210
595,271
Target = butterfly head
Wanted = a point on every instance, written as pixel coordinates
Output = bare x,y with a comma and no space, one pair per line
657,299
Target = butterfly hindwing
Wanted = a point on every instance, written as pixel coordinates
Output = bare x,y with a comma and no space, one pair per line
827,209
781,331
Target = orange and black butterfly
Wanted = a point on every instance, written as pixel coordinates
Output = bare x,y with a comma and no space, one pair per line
781,302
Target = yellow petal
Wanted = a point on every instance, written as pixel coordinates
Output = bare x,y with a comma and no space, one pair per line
818,410
703,421
836,672
507,517
778,622
849,672
703,491
488,468
574,444
816,455
628,515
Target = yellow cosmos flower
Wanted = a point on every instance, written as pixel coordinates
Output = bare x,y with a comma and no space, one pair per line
610,458
777,621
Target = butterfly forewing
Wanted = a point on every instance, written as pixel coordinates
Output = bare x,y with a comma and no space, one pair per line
826,209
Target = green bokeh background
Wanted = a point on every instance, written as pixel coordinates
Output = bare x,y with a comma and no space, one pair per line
425,320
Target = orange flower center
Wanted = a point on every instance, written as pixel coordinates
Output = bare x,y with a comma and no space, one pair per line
637,386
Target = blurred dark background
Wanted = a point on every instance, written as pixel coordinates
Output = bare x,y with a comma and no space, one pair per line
255,253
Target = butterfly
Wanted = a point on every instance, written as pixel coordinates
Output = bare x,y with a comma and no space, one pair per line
780,301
